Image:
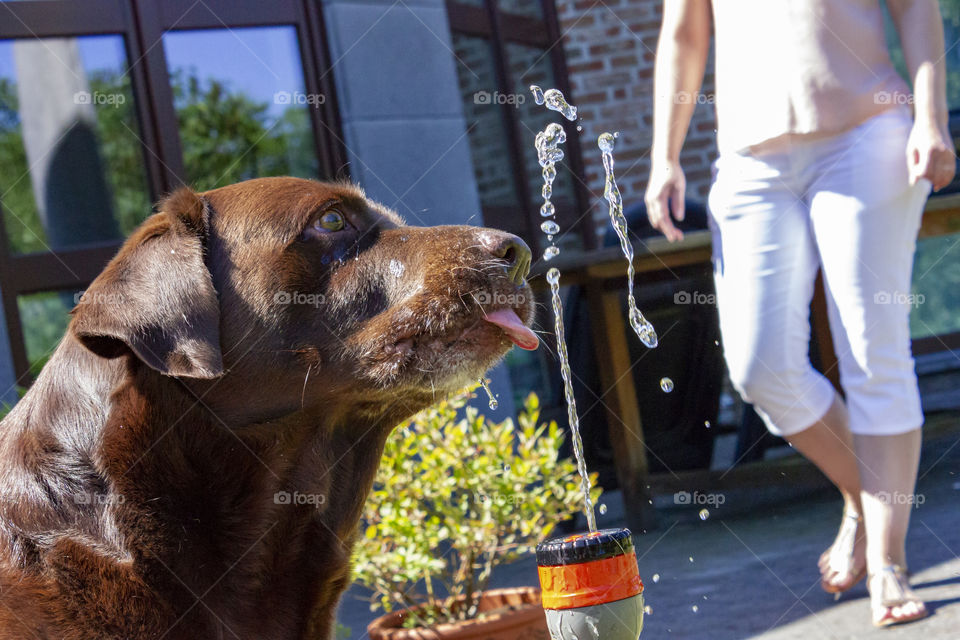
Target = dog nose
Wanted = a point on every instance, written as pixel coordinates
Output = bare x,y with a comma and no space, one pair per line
511,250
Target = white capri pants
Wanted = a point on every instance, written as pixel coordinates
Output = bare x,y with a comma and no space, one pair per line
842,203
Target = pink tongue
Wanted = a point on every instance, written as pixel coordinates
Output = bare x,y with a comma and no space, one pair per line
509,321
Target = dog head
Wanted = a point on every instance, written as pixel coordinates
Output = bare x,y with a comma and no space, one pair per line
291,291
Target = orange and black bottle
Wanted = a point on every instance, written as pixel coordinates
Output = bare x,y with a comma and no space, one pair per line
591,586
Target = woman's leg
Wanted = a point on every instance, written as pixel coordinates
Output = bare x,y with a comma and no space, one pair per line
829,444
865,218
765,266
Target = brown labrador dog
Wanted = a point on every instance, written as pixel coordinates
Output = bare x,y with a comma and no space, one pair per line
193,460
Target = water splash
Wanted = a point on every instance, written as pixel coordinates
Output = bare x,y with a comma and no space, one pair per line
537,94
549,154
553,99
553,277
641,326
493,404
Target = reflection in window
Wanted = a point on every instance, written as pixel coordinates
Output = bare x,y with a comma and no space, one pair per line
529,8
71,169
241,104
485,125
44,317
936,287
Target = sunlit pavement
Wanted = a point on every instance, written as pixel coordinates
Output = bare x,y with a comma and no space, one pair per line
753,571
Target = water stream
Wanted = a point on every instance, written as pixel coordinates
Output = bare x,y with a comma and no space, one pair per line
548,143
548,154
641,326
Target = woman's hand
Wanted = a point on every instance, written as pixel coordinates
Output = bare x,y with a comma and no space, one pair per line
930,154
665,190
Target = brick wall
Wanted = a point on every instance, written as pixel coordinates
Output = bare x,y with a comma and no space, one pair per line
610,48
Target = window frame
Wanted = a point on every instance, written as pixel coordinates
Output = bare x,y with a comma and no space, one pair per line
499,28
141,24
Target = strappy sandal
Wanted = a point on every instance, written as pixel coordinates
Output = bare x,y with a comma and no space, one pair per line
848,532
890,595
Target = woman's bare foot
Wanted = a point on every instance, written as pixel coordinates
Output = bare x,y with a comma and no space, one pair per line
844,564
892,601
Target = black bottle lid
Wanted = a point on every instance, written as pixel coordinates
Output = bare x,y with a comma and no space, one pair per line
584,547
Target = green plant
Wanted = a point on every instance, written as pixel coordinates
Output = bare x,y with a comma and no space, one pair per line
456,495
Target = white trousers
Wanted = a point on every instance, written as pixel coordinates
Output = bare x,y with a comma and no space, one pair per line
842,203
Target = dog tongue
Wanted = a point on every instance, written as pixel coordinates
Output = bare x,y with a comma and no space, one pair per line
509,321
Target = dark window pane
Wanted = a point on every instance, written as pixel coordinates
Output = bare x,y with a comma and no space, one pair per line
487,133
527,66
936,287
241,104
71,164
529,8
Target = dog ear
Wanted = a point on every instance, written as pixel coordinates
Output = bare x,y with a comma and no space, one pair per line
156,297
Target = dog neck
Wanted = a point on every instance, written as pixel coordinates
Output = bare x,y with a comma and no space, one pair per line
199,505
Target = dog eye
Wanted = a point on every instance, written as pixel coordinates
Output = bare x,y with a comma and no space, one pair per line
332,220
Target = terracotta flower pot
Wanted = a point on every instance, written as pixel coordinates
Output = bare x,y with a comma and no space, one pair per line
516,614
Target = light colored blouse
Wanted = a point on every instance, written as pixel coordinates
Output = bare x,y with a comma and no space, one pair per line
799,67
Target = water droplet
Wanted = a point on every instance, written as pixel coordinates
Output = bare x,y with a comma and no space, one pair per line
553,99
550,227
706,423
547,209
493,404
579,128
666,384
656,578
690,558
553,276
551,252
606,142
537,94
506,468
704,514
716,342
602,509
648,610
695,608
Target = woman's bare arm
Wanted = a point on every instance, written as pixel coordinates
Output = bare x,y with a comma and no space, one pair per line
678,74
930,152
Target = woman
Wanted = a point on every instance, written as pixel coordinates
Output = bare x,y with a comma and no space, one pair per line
821,165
